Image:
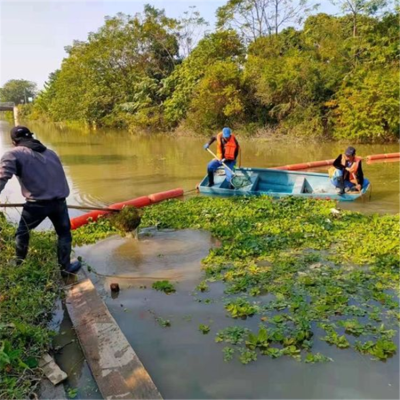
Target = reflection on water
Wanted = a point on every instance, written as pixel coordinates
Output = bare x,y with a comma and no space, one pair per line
182,361
112,166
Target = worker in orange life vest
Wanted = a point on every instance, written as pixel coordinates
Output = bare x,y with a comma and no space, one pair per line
227,152
347,173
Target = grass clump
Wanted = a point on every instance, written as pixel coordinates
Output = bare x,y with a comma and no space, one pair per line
164,286
27,296
204,329
93,232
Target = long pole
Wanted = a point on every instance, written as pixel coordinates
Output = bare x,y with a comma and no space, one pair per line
221,162
10,205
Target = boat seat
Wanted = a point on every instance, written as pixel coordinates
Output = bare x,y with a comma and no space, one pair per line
298,186
254,179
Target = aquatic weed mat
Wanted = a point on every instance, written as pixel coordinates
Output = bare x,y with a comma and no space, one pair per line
305,271
27,297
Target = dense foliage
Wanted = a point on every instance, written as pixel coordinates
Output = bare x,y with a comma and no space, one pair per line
18,91
335,76
27,297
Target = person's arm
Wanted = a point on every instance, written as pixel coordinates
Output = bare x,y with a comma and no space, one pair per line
360,176
8,168
210,142
338,163
237,149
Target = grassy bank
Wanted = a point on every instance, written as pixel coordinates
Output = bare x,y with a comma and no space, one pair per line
27,297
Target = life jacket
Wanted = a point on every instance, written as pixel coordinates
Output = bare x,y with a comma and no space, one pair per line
352,177
227,149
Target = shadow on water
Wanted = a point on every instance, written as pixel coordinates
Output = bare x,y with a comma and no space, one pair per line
183,362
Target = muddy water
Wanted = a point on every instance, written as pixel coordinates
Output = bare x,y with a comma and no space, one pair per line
182,361
108,167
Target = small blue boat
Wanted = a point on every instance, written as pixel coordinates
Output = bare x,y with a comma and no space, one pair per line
278,183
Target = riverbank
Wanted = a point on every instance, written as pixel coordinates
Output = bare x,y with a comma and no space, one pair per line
248,132
27,297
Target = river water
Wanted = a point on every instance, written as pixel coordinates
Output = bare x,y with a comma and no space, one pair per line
108,167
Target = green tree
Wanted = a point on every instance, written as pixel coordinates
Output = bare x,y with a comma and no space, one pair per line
366,107
191,28
18,91
180,86
218,98
257,18
360,7
42,104
117,72
294,73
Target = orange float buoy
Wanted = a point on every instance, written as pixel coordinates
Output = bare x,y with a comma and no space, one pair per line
77,222
383,156
139,202
314,164
170,194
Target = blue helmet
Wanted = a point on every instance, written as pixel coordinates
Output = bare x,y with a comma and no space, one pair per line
226,132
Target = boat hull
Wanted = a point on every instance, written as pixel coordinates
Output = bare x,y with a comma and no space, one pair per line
278,183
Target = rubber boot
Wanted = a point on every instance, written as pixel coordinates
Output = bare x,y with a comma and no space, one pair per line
64,254
21,248
341,185
210,179
20,254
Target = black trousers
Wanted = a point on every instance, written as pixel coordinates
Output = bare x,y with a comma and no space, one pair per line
33,214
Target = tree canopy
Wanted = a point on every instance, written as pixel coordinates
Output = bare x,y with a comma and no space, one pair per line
18,91
327,75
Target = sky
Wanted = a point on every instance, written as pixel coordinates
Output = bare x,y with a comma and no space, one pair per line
33,33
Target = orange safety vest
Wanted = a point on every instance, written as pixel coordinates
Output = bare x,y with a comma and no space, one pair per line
227,149
353,168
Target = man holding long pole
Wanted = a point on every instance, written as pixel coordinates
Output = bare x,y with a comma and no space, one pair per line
44,185
227,152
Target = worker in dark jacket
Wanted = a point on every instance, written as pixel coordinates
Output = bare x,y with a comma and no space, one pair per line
44,185
347,173
227,152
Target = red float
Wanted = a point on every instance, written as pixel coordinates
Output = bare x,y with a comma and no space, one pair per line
323,163
383,156
139,202
170,194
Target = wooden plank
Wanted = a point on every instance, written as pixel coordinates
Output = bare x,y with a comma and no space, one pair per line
115,366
